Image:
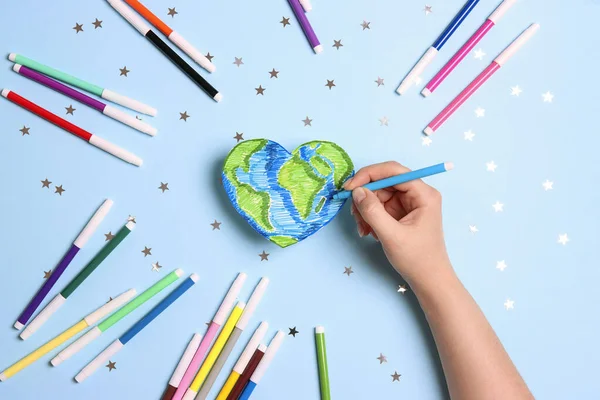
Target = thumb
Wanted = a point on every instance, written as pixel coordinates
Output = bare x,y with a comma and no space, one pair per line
373,212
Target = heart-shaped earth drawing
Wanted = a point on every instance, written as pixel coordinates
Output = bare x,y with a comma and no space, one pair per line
285,196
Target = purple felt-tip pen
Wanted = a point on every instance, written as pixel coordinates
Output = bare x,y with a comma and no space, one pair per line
308,30
105,109
81,240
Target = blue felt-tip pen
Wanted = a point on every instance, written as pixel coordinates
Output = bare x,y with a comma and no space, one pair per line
436,46
398,179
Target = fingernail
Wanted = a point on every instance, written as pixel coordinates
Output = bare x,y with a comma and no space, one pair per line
359,195
361,231
347,183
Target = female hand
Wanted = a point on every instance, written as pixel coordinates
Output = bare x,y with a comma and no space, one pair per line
406,219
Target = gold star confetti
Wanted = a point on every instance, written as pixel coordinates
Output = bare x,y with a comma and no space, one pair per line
124,71
337,44
238,61
156,267
273,74
239,136
348,271
147,251
109,236
46,183
216,225
59,190
379,81
111,365
260,90
172,12
382,359
396,376
307,121
402,289
24,130
264,256
47,274
383,121
509,304
184,116
164,186
284,21
293,332
365,25
209,56
330,84
78,28
70,109
131,218
97,23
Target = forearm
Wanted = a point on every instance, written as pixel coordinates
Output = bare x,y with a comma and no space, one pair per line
474,361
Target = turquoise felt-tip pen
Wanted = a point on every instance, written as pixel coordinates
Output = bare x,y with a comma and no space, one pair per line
398,179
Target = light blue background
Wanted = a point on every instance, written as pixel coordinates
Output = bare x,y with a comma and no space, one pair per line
551,334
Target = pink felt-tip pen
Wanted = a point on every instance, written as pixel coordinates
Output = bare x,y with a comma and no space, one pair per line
480,80
467,47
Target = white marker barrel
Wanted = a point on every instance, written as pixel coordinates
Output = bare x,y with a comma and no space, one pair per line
516,44
129,103
192,51
263,365
501,10
255,298
99,361
130,16
417,70
230,297
109,307
115,150
130,120
186,359
93,224
76,346
254,342
43,316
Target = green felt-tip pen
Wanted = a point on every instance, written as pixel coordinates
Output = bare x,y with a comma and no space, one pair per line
322,362
115,317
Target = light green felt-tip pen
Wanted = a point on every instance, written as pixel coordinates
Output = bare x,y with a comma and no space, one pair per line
115,317
322,363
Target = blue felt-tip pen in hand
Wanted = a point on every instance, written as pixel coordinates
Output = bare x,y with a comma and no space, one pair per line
398,179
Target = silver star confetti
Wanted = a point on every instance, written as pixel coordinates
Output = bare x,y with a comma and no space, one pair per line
491,166
426,141
47,274
131,218
70,109
307,121
147,251
97,23
395,376
469,135
480,112
473,229
563,239
172,12
509,304
330,84
428,9
164,186
46,183
548,97
156,267
209,56
216,225
382,359
337,44
379,81
501,265
402,289
548,185
273,74
78,28
108,236
238,61
124,71
59,190
260,90
239,136
479,54
111,365
24,130
365,25
264,256
284,21
184,116
383,121
498,207
516,91
348,271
